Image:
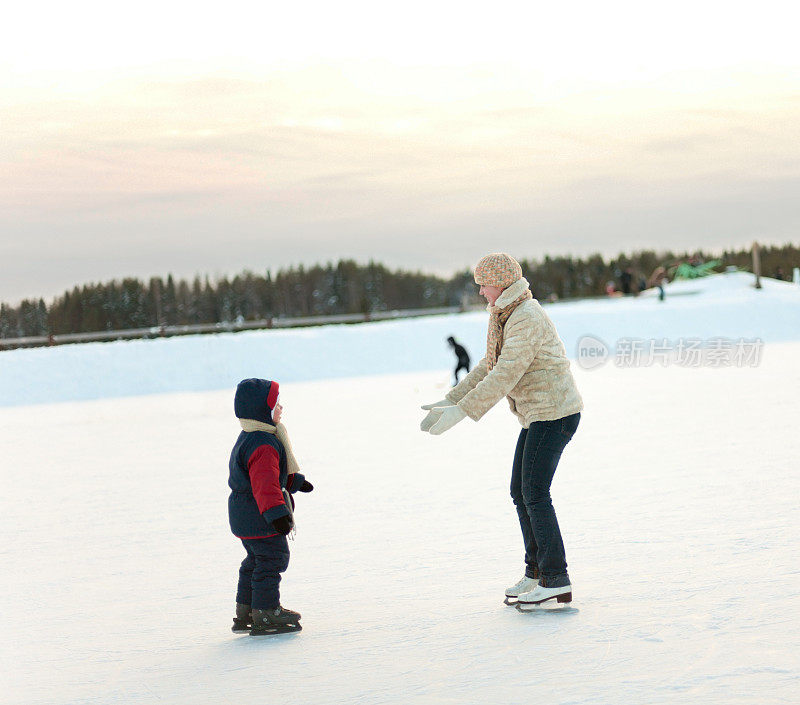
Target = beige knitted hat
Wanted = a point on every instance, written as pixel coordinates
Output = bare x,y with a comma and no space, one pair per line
498,269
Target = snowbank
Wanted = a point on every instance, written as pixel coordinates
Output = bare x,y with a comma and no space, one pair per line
724,305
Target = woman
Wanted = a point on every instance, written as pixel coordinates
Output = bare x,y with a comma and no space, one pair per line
525,362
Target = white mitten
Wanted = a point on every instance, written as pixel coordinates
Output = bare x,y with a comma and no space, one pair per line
433,416
449,416
436,404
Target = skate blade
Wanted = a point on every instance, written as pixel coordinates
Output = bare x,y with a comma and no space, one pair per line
282,629
548,608
240,626
510,601
564,597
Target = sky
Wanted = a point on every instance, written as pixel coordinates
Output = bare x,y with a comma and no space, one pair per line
157,138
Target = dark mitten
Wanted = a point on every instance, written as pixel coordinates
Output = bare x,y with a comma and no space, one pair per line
306,486
283,525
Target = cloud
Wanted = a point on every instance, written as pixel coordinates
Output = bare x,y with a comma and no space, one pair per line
146,175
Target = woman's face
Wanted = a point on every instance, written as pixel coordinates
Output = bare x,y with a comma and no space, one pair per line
490,293
277,412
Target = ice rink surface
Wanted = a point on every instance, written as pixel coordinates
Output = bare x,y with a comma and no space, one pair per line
677,498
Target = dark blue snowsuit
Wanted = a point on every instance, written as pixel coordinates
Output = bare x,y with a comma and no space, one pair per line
258,475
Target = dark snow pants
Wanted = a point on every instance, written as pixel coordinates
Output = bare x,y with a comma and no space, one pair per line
539,449
260,572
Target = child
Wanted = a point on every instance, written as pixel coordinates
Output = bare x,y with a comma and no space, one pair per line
262,467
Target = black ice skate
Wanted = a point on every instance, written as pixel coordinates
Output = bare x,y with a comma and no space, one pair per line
243,621
276,621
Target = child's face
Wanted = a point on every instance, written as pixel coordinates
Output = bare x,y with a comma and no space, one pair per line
277,413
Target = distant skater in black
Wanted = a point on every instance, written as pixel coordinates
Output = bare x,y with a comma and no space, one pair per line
462,355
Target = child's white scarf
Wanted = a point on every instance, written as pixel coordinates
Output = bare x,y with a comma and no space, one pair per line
282,434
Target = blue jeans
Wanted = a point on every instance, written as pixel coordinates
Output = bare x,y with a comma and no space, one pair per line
538,451
260,572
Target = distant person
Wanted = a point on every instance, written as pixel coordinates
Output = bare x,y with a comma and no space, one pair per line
625,280
263,473
779,274
658,278
525,362
462,358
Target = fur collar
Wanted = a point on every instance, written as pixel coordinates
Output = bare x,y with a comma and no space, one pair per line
512,293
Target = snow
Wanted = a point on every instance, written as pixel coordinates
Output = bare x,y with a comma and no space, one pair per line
677,499
724,305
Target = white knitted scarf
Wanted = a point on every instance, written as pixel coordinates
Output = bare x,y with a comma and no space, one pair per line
280,432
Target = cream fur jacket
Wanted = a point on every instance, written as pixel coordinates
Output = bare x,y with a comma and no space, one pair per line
532,371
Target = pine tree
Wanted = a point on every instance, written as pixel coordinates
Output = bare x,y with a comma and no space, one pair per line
345,287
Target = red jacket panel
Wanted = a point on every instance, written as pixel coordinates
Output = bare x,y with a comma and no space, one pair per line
264,469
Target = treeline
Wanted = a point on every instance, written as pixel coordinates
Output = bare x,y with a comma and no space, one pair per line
346,287
298,291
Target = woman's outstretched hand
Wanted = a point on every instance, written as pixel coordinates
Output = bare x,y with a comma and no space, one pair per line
436,404
441,419
432,417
